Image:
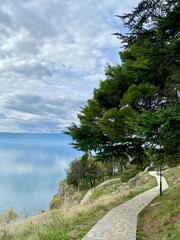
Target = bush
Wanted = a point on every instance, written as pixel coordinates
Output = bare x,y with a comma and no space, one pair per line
55,202
128,174
11,214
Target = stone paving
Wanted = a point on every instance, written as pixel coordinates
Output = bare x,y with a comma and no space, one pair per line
90,192
121,222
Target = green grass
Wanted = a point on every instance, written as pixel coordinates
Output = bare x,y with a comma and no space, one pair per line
108,188
128,174
161,218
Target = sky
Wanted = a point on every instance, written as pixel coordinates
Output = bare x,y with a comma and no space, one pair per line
52,55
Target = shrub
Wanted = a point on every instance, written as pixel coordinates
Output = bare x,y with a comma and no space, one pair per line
11,214
55,202
128,174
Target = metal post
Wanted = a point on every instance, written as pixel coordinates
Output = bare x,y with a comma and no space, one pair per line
160,181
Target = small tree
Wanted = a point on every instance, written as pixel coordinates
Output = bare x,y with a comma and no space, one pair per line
75,173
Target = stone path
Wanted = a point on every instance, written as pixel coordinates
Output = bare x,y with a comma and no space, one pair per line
90,192
121,222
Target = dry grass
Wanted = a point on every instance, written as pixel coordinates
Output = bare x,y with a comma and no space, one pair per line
65,214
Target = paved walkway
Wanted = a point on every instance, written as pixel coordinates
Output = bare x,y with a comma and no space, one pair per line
121,222
90,192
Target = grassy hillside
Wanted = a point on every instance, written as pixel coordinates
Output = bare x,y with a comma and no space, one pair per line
161,218
73,222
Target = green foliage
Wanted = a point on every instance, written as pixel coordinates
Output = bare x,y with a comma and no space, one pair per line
112,89
116,123
87,137
140,96
84,172
137,104
162,127
11,214
55,203
55,198
75,173
128,174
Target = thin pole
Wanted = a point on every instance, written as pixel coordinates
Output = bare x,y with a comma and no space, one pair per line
160,181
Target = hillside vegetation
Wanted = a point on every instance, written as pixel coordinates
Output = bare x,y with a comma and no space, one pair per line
134,112
73,222
161,218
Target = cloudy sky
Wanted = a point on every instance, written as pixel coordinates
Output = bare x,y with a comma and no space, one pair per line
52,55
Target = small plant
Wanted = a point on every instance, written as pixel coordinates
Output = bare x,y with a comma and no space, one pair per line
100,206
55,198
55,203
11,214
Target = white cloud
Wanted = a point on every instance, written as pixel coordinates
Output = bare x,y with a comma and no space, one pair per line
53,53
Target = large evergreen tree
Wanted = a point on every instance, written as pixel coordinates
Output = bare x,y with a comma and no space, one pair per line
138,102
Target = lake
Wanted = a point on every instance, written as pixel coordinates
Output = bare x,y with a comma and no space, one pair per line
31,166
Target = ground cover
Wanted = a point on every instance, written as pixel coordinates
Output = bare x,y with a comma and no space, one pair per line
161,218
107,189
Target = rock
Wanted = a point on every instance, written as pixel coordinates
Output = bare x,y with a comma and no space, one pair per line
66,195
114,193
132,182
138,180
124,188
155,204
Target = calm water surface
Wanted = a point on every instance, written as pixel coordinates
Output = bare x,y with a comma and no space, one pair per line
30,170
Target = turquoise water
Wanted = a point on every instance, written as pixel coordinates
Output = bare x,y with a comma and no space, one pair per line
31,166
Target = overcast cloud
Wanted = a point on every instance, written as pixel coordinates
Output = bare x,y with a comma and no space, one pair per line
52,56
